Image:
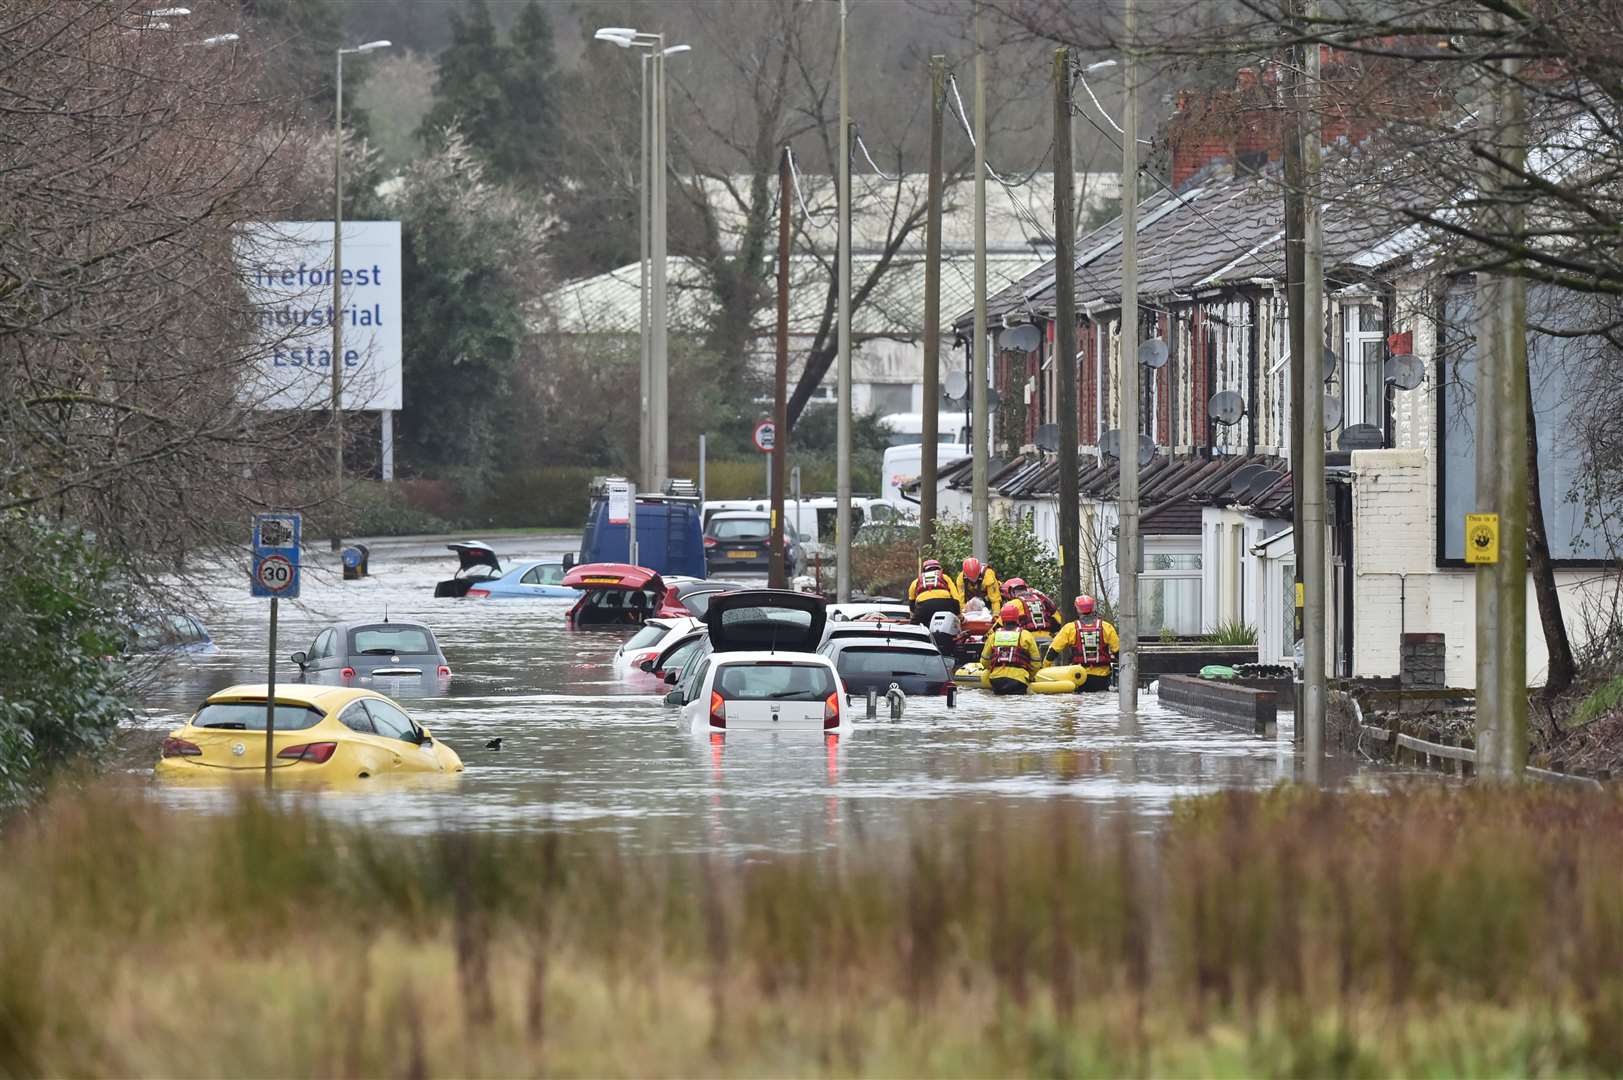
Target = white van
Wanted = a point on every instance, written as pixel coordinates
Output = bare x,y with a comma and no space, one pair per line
902,464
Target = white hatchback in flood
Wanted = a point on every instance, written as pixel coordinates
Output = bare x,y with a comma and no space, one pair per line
763,691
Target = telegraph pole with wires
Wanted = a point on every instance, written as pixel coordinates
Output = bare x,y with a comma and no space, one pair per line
777,576
1128,547
930,449
1070,525
842,510
979,365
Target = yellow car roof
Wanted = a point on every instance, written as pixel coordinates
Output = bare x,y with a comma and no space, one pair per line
326,698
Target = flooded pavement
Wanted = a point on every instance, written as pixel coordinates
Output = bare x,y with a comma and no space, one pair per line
585,748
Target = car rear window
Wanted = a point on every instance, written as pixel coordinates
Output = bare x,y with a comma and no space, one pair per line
740,529
646,636
880,661
775,680
250,716
765,626
698,601
389,638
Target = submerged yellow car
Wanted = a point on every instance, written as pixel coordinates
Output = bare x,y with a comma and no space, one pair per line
325,731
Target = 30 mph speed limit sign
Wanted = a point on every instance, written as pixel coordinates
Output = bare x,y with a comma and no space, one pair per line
275,574
766,436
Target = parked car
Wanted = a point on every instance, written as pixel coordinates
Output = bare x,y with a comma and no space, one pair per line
670,537
476,563
763,691
677,655
349,651
878,632
883,610
616,594
916,667
742,539
696,595
535,580
647,643
170,635
337,732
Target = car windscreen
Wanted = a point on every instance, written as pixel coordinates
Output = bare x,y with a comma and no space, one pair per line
388,639
774,680
867,660
750,528
646,637
250,716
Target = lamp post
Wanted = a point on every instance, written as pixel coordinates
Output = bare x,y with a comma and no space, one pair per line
654,446
337,269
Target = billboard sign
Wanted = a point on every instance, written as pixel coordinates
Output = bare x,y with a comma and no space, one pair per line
287,269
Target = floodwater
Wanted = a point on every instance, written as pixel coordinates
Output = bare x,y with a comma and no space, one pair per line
584,748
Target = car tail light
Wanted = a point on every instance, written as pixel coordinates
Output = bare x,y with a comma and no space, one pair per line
317,752
444,670
711,541
718,710
348,673
173,747
478,594
831,710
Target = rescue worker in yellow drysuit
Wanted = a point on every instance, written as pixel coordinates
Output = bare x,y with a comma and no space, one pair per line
1089,642
1010,655
979,582
932,591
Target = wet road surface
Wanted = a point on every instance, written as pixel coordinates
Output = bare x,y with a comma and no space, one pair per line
583,747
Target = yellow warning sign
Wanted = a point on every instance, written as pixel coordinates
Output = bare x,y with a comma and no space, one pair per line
1481,538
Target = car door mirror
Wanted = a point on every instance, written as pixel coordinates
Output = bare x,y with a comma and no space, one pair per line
569,560
671,677
647,665
299,658
675,698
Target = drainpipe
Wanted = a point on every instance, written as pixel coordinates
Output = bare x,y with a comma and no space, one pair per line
1251,383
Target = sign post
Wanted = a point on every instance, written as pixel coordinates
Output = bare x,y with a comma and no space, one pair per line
276,575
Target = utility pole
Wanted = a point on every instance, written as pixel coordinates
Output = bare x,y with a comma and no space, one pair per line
980,366
1127,539
337,303
645,433
1070,524
777,577
929,451
1502,478
1310,714
658,405
1291,87
842,508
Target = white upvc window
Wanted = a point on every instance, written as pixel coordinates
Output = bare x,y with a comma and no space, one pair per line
1364,359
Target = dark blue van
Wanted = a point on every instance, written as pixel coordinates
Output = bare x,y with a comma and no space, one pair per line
670,534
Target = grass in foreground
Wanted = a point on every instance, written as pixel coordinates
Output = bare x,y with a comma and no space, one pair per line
1289,933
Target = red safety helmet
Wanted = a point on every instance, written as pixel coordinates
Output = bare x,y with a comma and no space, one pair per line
973,568
1010,612
1014,584
932,564
1084,605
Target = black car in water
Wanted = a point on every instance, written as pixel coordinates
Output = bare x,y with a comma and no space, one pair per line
872,663
742,539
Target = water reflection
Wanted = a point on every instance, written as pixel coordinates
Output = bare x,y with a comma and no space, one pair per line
586,747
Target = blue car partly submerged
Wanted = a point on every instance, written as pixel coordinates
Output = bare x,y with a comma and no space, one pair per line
537,580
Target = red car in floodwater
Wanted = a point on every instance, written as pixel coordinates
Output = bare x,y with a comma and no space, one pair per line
619,594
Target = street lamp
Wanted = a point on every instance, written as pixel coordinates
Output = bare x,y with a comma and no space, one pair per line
337,297
654,463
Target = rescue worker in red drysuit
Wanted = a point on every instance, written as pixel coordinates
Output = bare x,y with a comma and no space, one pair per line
1038,611
932,591
1089,642
1010,656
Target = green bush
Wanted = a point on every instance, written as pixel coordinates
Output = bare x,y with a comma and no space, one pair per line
375,509
1013,550
60,622
555,497
1232,633
1605,698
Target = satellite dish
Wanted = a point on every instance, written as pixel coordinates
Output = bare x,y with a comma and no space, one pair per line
1330,361
1332,412
1260,483
1048,437
1405,371
1152,353
1110,443
1025,338
957,384
1146,450
993,398
1361,437
1227,407
1243,476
